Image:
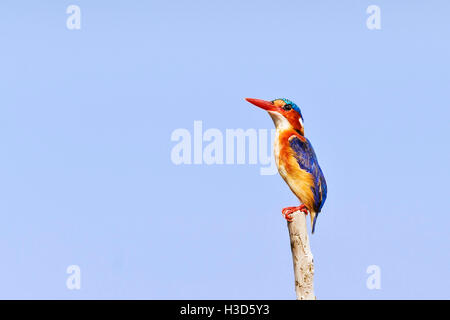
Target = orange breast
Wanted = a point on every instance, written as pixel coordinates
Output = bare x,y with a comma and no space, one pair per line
298,180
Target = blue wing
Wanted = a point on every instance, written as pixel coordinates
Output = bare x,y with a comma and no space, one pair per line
307,160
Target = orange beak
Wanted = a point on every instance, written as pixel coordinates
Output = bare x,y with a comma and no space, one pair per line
263,104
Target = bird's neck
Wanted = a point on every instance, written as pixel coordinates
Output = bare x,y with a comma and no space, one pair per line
283,125
282,136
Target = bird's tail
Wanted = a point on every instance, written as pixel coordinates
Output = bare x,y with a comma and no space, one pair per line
313,216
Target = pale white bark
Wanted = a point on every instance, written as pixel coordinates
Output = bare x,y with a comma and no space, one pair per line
302,257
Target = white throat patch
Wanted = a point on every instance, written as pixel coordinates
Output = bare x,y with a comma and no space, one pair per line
280,122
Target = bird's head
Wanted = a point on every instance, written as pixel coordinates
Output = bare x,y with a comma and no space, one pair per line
285,114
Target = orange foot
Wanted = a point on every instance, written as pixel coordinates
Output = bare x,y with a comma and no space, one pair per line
288,211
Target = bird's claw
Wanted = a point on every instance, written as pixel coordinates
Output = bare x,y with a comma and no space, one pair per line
288,211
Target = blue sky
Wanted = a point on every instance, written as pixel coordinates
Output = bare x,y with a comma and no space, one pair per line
87,179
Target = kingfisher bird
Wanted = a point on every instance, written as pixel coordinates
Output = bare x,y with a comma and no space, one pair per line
295,158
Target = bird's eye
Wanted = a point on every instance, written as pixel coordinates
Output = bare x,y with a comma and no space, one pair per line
287,107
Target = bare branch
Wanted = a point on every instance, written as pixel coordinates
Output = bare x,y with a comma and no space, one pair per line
302,257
